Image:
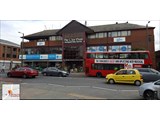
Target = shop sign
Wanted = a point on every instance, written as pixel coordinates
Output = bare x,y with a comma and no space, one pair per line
96,49
119,39
120,61
73,40
42,57
40,43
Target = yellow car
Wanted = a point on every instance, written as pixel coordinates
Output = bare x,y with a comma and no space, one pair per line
125,76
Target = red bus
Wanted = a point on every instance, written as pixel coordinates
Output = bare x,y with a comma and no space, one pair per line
103,63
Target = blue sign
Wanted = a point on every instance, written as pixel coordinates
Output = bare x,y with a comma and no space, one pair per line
32,57
123,48
52,56
42,57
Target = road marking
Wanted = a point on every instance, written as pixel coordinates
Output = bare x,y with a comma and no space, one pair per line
78,86
104,88
130,90
57,85
84,96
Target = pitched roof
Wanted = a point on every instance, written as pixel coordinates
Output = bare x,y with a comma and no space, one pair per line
6,42
42,34
74,26
98,28
116,27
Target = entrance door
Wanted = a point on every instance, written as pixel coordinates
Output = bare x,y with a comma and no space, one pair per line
74,66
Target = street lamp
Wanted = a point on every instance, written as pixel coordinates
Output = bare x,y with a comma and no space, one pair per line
22,48
147,36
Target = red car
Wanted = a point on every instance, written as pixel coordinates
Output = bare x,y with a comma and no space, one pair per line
23,72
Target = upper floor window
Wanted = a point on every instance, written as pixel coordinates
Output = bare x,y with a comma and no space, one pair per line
98,35
55,38
119,33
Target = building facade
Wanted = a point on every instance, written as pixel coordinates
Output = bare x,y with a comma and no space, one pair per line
66,47
9,54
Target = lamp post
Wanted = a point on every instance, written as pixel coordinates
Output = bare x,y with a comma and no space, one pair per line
22,48
147,36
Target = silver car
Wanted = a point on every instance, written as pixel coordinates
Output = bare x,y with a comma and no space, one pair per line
150,91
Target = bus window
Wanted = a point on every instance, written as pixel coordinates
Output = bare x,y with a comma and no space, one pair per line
143,56
113,56
97,66
105,56
123,56
99,55
134,56
91,55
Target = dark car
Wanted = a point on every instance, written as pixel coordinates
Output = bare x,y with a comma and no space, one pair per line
54,72
23,72
149,74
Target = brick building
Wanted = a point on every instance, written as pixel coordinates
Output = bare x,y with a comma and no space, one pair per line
9,54
67,46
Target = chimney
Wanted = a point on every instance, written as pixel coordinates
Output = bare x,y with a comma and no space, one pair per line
85,23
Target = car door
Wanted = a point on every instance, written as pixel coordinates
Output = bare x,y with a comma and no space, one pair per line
121,76
21,72
54,71
157,88
131,76
155,74
16,72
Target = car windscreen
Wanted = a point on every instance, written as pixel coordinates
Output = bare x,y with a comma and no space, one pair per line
155,71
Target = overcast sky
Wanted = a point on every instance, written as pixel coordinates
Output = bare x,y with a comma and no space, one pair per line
31,16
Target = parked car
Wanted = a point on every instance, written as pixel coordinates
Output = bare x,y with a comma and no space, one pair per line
149,74
150,90
23,72
125,76
54,72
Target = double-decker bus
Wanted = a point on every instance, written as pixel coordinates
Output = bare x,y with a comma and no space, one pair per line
103,63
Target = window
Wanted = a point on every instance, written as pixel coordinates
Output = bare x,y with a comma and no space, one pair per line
122,72
14,56
114,34
91,36
99,55
143,55
14,49
100,35
119,33
157,83
131,72
92,55
8,55
124,33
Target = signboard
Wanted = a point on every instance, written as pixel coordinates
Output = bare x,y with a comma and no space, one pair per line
40,43
96,49
73,40
119,39
42,57
120,61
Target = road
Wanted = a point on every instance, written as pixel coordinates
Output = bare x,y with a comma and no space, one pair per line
74,87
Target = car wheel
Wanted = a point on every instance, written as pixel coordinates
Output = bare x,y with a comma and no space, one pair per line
9,75
44,74
137,83
99,74
24,76
111,81
148,95
60,74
